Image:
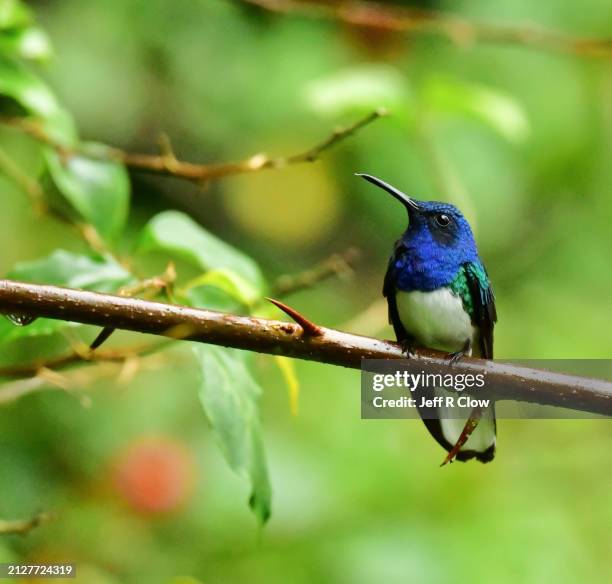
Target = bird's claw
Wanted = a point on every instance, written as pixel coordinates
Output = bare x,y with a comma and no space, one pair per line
455,357
408,349
458,355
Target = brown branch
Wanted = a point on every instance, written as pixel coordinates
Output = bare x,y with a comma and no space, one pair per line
167,164
507,382
336,136
80,355
23,526
458,30
150,287
338,264
75,379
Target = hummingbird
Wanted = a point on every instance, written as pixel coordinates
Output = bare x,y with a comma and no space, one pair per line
439,296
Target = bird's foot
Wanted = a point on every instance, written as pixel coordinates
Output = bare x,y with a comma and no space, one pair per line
408,349
458,355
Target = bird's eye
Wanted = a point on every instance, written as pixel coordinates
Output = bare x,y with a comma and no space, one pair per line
442,219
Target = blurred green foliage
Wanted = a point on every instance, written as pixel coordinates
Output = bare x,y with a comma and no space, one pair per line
518,138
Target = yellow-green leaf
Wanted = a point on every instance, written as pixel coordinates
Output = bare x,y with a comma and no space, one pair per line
229,282
177,233
287,368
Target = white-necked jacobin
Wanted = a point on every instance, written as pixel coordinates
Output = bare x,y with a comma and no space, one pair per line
440,297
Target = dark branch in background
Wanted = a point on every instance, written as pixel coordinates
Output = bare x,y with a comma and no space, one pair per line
167,164
23,526
121,368
507,382
457,29
79,354
338,264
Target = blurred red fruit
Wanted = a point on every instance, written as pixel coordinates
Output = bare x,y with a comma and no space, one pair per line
155,475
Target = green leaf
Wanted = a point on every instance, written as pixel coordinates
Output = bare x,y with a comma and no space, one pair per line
19,84
177,233
229,395
360,90
499,111
98,189
29,43
17,35
63,268
211,298
229,282
14,14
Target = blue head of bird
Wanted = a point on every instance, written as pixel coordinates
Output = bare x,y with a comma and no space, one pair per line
437,242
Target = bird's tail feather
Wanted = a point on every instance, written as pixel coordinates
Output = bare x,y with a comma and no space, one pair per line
447,426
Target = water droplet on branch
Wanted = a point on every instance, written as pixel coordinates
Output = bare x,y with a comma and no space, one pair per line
20,319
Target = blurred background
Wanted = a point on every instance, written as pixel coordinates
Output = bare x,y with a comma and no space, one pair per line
519,137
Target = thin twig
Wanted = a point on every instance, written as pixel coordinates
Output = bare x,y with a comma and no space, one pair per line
458,30
506,382
150,287
23,526
128,362
338,264
336,136
78,355
30,186
167,164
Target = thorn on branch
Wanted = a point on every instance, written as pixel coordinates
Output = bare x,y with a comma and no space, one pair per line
309,328
102,337
149,287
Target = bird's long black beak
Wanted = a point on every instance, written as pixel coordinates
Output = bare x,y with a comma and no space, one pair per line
409,203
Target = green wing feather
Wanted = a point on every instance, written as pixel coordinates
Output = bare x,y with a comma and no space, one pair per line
473,287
